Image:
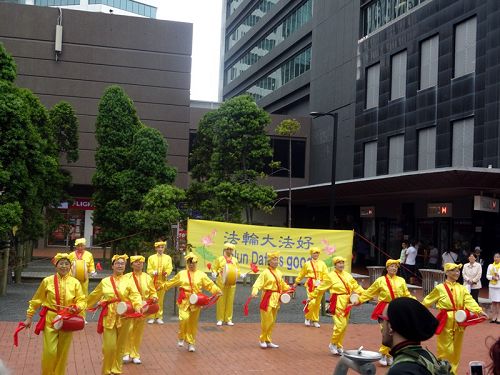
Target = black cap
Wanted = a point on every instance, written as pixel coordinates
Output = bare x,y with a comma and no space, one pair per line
411,319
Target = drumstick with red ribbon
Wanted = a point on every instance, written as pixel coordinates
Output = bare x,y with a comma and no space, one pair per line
20,327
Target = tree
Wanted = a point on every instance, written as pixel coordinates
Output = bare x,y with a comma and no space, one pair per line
131,166
65,127
228,161
288,128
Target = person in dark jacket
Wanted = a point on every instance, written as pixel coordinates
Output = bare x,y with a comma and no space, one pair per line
405,324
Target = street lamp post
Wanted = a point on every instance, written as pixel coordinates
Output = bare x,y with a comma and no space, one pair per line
334,116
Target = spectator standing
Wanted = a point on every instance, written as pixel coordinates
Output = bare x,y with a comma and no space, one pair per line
449,256
493,275
433,256
410,262
472,272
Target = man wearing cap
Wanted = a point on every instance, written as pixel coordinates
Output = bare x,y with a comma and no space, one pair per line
405,324
315,270
81,254
450,297
114,328
190,281
387,287
54,293
146,287
159,267
270,281
225,303
341,285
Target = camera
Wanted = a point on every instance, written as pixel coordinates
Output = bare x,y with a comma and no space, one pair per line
476,368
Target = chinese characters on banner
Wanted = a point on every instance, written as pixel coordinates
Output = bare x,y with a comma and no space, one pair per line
254,241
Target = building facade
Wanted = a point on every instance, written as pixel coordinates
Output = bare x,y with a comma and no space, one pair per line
99,50
413,83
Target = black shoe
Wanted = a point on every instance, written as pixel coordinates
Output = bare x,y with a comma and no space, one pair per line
493,321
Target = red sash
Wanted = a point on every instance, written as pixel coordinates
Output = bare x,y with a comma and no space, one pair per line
442,316
182,292
104,305
264,304
310,281
389,286
43,312
137,284
378,310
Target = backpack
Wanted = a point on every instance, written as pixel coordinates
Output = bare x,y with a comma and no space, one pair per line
434,366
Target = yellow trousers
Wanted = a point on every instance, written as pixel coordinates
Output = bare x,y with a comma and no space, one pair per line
313,307
188,325
267,321
113,345
449,343
384,350
56,346
85,287
339,328
161,298
134,339
224,311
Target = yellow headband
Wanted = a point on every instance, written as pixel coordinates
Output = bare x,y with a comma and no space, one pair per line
338,259
135,258
117,256
313,250
160,243
275,254
390,262
229,245
80,241
451,266
192,257
60,256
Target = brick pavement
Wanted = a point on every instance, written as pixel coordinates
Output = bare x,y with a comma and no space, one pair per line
226,350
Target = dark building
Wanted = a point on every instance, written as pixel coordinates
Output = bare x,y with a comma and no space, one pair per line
150,59
414,84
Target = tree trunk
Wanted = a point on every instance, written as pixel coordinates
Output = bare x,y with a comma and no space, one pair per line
4,266
18,269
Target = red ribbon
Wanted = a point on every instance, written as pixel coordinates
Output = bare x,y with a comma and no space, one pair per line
254,268
264,303
442,317
245,307
104,312
379,310
98,266
20,327
209,266
310,284
306,306
182,295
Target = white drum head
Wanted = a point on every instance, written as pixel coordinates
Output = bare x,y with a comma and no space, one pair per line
460,316
354,298
121,308
59,323
317,282
193,298
285,298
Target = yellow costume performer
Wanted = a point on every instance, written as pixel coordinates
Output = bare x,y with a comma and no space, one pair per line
111,290
315,270
159,267
450,297
271,283
81,254
145,285
190,281
54,292
225,302
341,285
386,288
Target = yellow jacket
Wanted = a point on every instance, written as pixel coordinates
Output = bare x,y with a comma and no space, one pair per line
104,292
70,293
266,281
161,265
308,271
199,281
87,257
146,285
379,288
219,265
462,298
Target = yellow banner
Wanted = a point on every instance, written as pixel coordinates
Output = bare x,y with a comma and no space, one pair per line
252,242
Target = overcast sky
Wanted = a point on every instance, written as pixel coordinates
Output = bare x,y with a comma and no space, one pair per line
205,15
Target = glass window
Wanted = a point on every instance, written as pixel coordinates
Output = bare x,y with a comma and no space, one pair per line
280,153
429,51
370,164
232,5
465,47
396,154
427,148
372,85
256,13
398,75
463,143
267,43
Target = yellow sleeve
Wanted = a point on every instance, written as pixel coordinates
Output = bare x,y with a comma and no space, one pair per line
371,292
90,263
80,299
324,286
302,273
355,287
283,285
151,287
432,297
259,284
169,266
133,295
173,282
323,271
151,265
38,298
209,284
470,304
217,265
96,295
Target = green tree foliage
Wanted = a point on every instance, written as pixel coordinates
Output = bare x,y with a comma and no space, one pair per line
7,66
130,166
65,129
228,161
